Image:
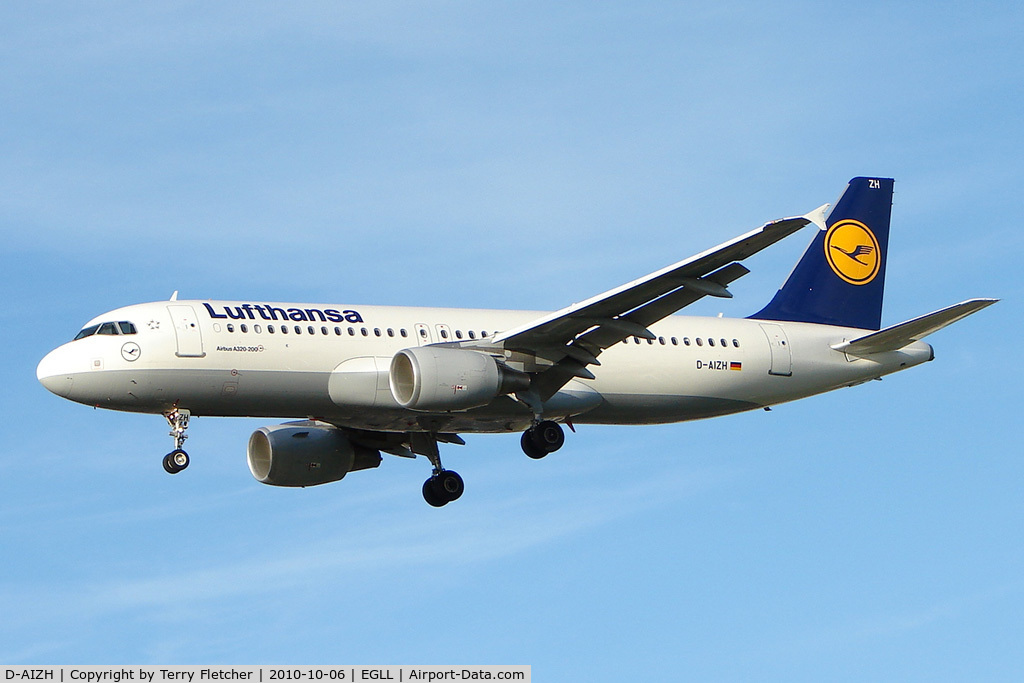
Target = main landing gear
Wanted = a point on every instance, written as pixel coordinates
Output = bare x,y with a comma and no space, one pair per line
177,460
542,438
444,486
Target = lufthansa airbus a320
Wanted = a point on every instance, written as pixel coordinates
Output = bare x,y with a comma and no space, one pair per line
359,381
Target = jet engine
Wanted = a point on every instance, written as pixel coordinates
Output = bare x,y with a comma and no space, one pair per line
438,379
305,454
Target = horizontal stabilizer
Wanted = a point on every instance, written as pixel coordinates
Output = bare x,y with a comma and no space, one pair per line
898,336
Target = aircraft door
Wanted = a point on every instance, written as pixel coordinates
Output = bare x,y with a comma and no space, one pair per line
187,332
782,357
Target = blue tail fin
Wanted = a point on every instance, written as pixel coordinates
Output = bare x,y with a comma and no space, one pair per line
841,277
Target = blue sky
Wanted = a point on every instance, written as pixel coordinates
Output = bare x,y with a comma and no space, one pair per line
520,155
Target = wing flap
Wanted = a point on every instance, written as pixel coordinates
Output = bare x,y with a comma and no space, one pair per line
602,337
898,336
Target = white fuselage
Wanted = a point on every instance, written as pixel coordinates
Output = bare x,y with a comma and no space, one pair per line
331,363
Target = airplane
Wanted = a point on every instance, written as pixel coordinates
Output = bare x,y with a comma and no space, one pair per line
359,381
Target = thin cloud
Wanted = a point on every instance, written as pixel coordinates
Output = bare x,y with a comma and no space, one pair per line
392,547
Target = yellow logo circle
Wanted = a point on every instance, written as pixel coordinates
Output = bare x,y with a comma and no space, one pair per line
852,251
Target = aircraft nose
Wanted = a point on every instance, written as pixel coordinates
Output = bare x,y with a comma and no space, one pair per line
54,373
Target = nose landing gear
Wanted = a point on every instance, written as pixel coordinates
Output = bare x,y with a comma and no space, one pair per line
177,460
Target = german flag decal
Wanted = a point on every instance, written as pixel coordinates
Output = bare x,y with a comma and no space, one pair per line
735,366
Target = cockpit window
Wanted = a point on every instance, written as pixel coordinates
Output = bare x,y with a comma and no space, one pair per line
121,327
87,332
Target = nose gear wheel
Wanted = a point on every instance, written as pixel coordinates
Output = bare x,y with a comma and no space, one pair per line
178,459
175,461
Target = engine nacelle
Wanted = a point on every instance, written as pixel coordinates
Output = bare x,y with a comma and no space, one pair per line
439,379
305,454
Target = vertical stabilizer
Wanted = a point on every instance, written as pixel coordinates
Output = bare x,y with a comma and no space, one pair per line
841,277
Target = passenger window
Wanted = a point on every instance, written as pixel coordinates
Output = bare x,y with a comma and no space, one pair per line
284,329
675,342
337,331
391,332
351,331
310,329
403,332
700,342
472,334
711,342
323,330
724,344
686,341
231,327
661,340
458,334
243,328
298,330
444,334
376,331
650,341
365,332
257,329
423,333
270,329
736,343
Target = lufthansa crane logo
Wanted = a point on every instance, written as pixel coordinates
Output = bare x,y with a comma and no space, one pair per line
130,351
852,252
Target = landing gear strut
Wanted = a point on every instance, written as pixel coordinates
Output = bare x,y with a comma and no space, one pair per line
542,438
177,460
444,486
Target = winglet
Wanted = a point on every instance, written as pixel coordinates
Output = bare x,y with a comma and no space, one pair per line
818,216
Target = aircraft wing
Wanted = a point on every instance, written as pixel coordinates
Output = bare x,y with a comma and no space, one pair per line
572,338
